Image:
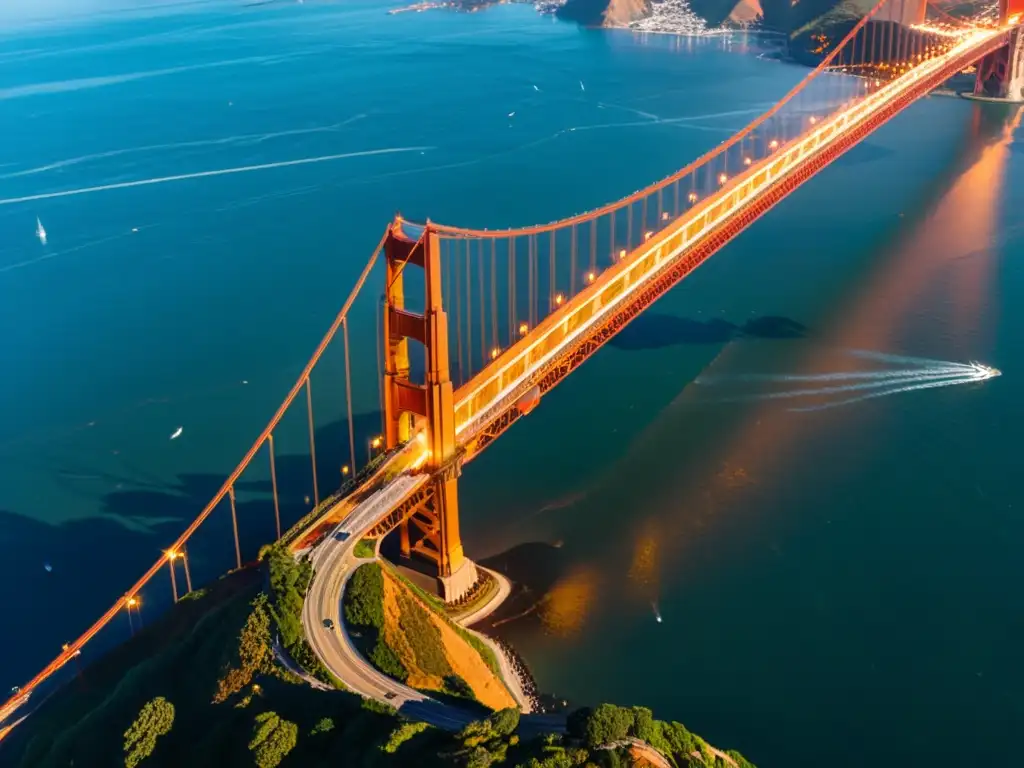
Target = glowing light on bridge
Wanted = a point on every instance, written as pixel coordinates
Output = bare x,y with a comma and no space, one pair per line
494,353
523,330
345,470
591,277
747,161
559,298
773,144
722,178
622,253
692,197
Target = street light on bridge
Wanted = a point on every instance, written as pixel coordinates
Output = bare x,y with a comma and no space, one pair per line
374,446
129,603
171,557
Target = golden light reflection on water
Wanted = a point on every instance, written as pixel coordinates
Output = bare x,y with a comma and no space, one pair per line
873,319
643,572
564,609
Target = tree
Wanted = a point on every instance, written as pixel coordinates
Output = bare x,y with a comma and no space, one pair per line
505,721
643,724
272,739
608,723
155,719
364,597
254,652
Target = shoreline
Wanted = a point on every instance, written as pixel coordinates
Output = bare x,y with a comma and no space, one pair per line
518,678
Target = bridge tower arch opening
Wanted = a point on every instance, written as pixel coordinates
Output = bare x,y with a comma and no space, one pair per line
429,526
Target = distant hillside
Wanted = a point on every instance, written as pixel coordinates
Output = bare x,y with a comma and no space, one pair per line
779,15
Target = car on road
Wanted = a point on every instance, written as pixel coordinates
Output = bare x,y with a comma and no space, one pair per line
328,624
390,695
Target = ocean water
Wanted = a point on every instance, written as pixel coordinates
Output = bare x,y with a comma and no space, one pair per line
832,583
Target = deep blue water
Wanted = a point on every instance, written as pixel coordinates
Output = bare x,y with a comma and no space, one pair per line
837,583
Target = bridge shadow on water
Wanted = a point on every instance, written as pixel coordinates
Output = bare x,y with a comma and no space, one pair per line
95,560
656,330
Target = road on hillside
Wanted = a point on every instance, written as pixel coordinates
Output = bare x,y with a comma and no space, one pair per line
333,563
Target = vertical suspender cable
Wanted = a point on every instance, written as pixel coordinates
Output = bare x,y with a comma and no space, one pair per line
552,282
483,305
494,293
234,527
273,484
593,244
312,441
572,263
458,308
348,396
469,315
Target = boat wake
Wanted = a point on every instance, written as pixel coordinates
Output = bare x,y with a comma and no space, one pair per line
817,389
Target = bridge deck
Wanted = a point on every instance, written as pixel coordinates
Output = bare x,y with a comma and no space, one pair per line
485,405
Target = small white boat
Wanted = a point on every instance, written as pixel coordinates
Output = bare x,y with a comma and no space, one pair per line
177,433
40,232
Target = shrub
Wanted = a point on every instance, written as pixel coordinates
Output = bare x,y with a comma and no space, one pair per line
272,739
255,655
155,720
402,734
505,721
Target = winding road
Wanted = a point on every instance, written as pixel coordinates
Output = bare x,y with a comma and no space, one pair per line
334,561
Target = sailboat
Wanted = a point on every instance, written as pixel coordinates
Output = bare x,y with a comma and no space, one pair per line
40,232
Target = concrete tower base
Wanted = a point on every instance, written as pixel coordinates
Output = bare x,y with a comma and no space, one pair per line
1001,73
460,582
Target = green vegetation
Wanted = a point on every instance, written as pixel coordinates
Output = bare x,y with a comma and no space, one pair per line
364,612
610,724
201,687
224,703
442,610
155,720
402,734
366,548
272,739
289,579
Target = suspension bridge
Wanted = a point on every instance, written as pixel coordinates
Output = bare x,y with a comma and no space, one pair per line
502,316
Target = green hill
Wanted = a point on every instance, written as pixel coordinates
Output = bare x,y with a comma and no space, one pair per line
201,687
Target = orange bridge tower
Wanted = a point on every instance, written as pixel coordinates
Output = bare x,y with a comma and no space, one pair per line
1001,73
429,524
